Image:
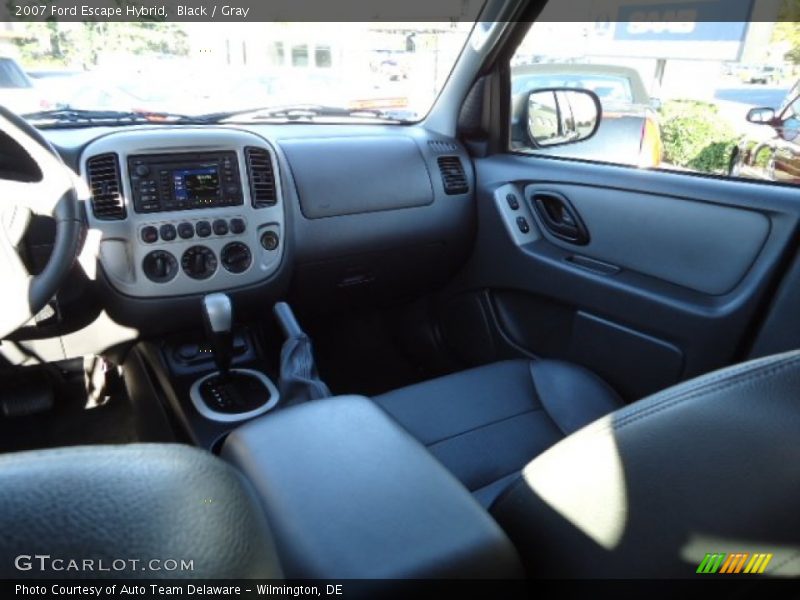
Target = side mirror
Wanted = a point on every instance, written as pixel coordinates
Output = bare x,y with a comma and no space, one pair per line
655,103
761,116
558,116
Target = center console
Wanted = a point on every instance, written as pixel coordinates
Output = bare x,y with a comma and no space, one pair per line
351,495
213,380
184,211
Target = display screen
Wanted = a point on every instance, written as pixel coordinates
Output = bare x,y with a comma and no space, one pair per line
197,186
166,182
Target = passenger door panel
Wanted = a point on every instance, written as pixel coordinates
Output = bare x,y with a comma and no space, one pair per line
672,282
701,246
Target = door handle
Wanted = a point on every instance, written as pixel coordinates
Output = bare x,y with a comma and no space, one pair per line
560,217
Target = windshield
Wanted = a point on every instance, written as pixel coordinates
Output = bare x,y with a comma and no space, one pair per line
393,70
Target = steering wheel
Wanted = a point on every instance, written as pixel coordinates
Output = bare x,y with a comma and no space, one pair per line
33,180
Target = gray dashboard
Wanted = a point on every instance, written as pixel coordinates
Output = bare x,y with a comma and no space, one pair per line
362,213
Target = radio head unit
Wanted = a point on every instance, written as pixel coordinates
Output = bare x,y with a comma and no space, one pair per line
168,182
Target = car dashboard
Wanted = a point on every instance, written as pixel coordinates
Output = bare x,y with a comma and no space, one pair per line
329,215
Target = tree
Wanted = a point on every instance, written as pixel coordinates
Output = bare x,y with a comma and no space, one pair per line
787,29
83,43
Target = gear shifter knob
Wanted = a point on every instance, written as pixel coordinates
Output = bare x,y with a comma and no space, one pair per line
218,320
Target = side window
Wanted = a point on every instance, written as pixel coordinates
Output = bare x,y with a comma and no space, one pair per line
690,96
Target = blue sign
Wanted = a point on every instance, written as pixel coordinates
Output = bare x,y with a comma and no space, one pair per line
709,21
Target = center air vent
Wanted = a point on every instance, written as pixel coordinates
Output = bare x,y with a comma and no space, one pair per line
105,183
453,177
262,178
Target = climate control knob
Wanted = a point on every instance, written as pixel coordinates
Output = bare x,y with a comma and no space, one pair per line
160,266
236,257
199,262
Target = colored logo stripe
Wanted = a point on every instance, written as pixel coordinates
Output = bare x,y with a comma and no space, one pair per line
736,562
758,563
710,563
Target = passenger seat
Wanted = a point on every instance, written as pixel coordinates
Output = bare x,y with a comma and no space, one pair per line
486,423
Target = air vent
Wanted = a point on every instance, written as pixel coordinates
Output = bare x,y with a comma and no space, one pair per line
105,183
442,146
453,177
262,178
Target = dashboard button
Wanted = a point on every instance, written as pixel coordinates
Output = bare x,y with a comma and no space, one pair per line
168,232
220,227
269,240
522,224
513,203
237,226
142,170
149,234
203,228
186,231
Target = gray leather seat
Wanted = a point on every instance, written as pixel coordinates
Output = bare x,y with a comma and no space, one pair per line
486,423
139,502
705,467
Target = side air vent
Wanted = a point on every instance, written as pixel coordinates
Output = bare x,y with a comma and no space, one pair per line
442,146
106,187
262,178
453,177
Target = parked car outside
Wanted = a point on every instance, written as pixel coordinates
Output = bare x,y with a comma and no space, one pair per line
56,86
17,91
759,74
776,156
629,131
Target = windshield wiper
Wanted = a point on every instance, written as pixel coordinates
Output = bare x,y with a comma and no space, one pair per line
77,117
298,112
65,117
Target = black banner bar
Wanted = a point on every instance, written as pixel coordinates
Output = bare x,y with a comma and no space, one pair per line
244,11
154,589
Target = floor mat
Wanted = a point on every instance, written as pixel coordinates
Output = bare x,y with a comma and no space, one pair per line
70,422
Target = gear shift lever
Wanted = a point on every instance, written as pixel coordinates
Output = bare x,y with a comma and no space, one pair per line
229,395
218,320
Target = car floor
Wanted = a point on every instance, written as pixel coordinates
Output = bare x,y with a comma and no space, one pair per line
69,422
367,353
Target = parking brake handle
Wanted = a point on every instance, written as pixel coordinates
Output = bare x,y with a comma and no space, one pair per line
287,320
299,379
